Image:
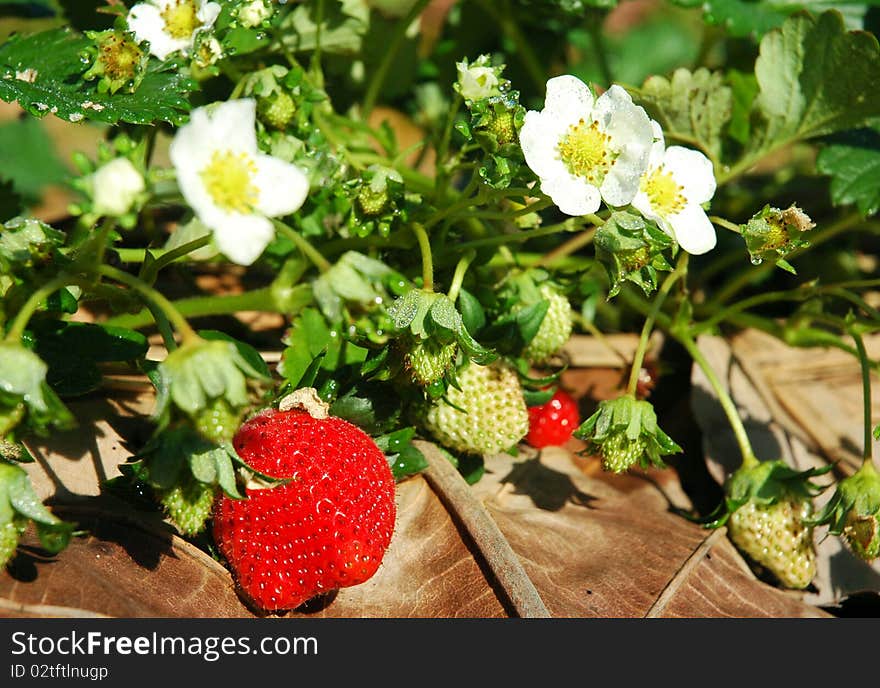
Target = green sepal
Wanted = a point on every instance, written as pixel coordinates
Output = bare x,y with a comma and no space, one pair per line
25,396
201,371
620,424
766,483
631,249
403,457
19,500
858,495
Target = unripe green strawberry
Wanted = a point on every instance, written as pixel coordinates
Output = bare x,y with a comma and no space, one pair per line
619,453
277,110
778,537
428,361
10,532
494,416
371,201
218,422
555,328
854,512
863,535
189,504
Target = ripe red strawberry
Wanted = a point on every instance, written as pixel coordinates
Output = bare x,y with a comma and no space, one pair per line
551,424
327,528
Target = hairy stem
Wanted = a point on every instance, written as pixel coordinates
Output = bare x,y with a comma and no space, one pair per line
389,55
309,251
864,361
153,298
742,439
460,271
642,348
427,259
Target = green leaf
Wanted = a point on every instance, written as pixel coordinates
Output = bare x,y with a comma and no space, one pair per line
529,319
744,88
11,203
342,31
742,18
472,314
853,161
248,353
693,107
43,73
28,158
408,462
815,78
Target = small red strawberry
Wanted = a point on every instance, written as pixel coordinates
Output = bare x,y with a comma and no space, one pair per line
327,528
551,424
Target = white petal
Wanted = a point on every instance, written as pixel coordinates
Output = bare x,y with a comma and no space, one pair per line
632,135
242,238
233,126
116,187
568,99
642,203
147,24
572,195
658,148
207,14
693,171
692,230
193,189
282,187
539,139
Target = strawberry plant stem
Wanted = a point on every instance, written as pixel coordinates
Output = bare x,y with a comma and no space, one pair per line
309,251
638,358
153,298
460,271
742,439
865,363
34,301
201,306
149,272
727,224
389,55
427,260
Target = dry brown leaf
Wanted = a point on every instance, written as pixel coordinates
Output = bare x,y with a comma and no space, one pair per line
761,374
538,535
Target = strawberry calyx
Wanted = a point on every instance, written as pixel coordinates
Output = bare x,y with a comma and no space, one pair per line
624,432
766,483
854,512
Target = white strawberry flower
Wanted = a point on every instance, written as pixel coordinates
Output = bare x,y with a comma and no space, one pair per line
587,150
478,79
254,13
234,188
678,181
115,186
171,25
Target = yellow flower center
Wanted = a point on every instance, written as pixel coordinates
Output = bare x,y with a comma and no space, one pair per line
180,18
665,195
586,152
228,179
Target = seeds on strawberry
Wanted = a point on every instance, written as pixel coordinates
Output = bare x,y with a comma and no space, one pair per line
777,537
551,424
428,361
493,415
555,328
189,505
326,528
